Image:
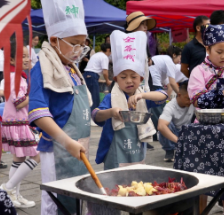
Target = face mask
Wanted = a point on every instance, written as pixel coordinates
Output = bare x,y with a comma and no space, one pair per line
76,54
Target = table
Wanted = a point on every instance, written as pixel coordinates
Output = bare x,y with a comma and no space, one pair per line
200,149
138,205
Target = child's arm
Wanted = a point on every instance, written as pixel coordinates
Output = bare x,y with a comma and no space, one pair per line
48,125
103,115
23,104
165,131
153,96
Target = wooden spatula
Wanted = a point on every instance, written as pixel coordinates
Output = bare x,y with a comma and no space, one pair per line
92,173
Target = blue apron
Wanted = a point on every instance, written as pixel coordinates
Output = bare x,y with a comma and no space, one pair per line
78,128
125,149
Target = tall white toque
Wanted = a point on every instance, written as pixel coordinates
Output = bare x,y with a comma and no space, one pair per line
128,51
64,18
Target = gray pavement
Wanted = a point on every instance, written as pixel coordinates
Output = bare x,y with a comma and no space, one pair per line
30,186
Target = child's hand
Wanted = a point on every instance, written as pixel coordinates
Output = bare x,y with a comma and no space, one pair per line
74,148
132,101
116,114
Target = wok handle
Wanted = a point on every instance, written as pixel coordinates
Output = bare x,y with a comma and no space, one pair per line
91,170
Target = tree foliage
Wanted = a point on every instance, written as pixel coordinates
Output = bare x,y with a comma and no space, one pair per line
118,3
35,4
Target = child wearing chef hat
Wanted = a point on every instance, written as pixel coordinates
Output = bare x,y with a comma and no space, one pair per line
122,143
59,99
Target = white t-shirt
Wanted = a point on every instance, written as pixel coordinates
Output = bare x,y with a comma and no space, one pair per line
180,77
33,56
164,67
97,63
179,116
1,60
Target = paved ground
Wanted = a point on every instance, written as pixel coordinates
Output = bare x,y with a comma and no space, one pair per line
30,186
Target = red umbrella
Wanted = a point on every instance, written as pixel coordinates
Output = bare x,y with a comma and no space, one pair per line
12,14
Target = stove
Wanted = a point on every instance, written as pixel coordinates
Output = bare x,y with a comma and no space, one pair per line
83,187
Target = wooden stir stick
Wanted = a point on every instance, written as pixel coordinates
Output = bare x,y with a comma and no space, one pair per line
92,173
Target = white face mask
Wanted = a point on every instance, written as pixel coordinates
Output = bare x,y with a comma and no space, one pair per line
77,53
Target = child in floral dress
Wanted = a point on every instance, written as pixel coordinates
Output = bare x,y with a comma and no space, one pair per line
17,136
206,83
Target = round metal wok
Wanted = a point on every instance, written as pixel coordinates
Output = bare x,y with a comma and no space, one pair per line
121,177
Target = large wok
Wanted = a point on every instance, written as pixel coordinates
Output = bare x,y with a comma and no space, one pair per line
113,178
83,187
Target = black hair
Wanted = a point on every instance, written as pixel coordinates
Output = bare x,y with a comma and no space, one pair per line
35,35
217,17
3,3
105,46
173,50
199,21
183,86
13,48
108,36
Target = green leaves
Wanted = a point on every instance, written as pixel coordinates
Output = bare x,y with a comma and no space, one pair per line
117,3
36,4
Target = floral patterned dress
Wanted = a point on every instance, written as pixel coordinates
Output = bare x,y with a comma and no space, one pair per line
16,133
6,206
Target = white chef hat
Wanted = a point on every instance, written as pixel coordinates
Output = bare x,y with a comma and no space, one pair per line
128,51
64,18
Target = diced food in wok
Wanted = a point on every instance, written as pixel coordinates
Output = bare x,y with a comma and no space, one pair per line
147,189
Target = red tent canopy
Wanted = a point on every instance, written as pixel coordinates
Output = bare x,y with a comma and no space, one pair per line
175,14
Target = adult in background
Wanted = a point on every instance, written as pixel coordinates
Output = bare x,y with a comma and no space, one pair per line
194,52
107,39
110,70
33,56
85,60
97,65
164,73
217,17
137,21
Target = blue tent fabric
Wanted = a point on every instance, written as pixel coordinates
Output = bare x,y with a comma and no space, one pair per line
100,17
100,11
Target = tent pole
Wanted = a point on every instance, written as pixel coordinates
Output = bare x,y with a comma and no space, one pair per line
170,37
94,41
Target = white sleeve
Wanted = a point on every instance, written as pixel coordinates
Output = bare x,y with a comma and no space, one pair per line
166,81
34,58
2,85
170,68
105,62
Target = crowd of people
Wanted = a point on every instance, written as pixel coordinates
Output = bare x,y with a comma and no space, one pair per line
50,122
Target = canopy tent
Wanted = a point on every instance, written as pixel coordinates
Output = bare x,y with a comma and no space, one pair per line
175,14
100,17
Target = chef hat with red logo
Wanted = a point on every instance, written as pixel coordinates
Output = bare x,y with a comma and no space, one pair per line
64,18
128,51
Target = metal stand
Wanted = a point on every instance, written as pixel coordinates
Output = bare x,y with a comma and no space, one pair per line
196,210
62,207
59,204
213,202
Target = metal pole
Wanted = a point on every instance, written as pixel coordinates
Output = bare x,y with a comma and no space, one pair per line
94,41
170,37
